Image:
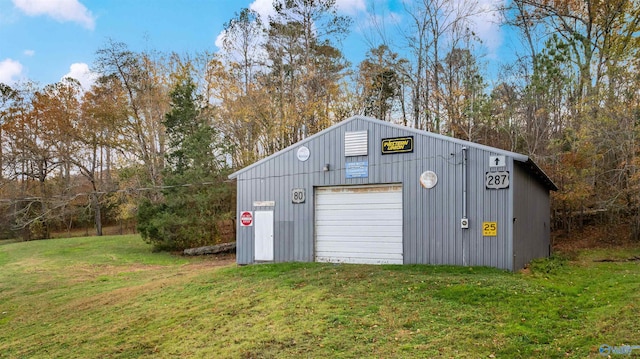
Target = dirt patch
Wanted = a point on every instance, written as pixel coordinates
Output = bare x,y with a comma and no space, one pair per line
166,276
218,260
84,273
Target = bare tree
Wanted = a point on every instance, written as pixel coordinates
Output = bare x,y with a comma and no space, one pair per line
146,87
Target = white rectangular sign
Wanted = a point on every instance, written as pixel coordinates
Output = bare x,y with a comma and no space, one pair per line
497,161
264,203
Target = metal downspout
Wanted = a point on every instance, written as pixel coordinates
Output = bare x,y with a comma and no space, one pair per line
464,183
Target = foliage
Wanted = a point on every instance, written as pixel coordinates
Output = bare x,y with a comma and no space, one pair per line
380,81
278,83
578,102
73,157
130,302
195,197
464,96
141,88
546,266
305,67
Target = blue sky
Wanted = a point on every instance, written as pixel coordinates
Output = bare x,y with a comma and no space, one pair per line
46,40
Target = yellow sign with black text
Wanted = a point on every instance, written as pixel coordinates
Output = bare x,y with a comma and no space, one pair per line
397,145
489,229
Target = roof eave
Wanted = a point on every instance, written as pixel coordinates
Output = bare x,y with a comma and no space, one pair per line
539,174
531,166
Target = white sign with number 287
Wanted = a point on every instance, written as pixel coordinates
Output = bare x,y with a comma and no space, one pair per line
497,180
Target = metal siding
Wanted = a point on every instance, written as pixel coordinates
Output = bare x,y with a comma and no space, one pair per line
439,215
477,211
244,235
284,249
508,217
431,231
432,207
486,205
412,218
531,227
453,233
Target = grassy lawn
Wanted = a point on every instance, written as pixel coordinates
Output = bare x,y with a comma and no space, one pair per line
112,297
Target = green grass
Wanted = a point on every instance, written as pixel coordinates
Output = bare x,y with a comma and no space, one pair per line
112,297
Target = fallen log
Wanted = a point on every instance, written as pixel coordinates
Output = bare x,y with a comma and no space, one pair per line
217,249
632,259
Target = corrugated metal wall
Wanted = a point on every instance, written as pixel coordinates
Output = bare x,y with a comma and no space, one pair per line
432,233
531,234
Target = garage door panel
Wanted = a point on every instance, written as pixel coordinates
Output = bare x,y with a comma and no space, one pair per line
353,206
360,216
385,231
392,256
363,189
333,199
377,256
356,240
347,247
359,259
381,197
359,224
340,227
382,219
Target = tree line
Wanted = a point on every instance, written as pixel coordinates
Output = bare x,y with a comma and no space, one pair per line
152,141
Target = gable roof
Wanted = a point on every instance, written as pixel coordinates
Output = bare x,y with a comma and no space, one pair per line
526,162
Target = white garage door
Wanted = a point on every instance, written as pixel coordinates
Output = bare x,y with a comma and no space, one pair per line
359,224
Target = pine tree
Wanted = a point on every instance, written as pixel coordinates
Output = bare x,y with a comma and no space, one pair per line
195,196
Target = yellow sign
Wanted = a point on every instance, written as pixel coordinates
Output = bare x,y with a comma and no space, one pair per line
397,145
489,229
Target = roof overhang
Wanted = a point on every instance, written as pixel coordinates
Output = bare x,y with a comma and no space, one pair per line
524,160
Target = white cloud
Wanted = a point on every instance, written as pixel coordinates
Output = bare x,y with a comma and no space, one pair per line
29,53
81,72
486,24
220,39
351,7
10,71
264,8
61,10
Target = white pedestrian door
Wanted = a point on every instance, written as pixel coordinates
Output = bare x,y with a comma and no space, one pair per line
263,235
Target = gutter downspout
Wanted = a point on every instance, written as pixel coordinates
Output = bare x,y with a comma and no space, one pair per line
464,184
464,222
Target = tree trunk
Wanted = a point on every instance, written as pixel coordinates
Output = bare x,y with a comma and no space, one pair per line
97,213
635,227
44,209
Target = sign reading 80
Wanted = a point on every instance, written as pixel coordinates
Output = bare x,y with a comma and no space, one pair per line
298,195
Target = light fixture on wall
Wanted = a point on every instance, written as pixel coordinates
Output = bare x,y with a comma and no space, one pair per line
326,167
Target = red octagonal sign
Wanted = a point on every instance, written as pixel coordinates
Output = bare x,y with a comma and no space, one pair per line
246,218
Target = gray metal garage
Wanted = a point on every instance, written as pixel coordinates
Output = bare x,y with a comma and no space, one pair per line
367,191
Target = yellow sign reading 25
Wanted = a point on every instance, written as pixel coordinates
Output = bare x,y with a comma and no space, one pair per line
489,229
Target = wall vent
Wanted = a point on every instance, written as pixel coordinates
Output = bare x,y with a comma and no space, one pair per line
355,143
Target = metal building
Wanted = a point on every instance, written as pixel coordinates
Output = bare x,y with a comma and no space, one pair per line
367,191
